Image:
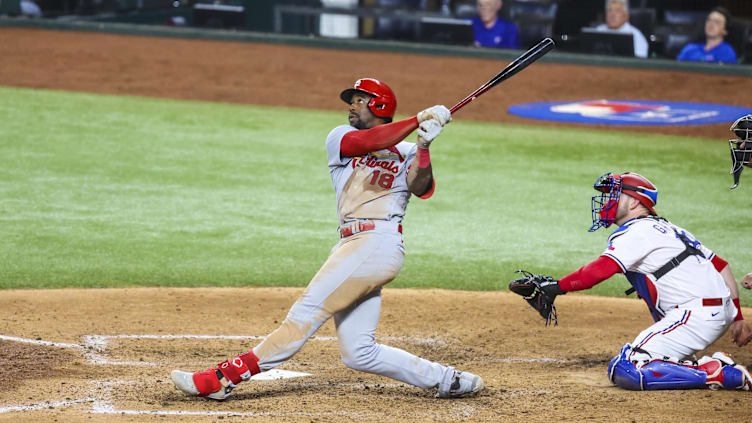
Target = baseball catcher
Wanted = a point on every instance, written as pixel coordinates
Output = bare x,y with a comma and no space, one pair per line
690,292
741,147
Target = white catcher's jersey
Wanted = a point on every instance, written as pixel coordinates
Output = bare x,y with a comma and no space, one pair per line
644,245
369,187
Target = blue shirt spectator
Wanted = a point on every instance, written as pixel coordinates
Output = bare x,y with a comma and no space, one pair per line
715,49
695,52
492,31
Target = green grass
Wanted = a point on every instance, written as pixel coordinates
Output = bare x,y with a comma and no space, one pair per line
100,191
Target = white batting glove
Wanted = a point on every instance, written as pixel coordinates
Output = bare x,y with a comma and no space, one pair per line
440,113
427,131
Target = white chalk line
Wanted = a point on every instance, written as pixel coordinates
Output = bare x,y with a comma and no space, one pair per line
95,345
44,405
98,339
106,408
40,342
526,360
105,405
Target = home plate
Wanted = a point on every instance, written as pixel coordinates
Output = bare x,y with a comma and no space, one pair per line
275,374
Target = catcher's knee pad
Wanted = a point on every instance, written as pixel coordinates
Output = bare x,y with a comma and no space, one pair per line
655,375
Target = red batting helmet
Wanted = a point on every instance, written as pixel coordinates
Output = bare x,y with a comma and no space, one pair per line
384,102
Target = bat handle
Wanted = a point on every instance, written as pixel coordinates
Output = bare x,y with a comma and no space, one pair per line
460,105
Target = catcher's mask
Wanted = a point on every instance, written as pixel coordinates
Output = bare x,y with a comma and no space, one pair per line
741,148
611,187
384,102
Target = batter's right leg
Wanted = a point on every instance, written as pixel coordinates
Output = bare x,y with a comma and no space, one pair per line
356,267
356,327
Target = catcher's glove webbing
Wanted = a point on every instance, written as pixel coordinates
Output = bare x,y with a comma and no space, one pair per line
540,292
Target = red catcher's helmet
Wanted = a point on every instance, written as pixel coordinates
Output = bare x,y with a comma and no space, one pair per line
637,186
384,102
611,187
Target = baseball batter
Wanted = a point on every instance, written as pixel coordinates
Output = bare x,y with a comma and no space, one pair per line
374,173
690,291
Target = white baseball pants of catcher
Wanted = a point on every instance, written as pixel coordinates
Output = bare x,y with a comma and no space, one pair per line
683,331
348,287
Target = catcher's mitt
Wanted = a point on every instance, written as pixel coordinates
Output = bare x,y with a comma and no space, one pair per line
540,292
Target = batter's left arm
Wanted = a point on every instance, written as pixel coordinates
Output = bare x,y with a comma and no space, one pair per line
420,175
420,180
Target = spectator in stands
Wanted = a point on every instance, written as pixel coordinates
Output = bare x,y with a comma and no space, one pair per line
492,31
715,49
617,19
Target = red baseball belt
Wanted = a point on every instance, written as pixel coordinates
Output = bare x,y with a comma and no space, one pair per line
360,226
708,302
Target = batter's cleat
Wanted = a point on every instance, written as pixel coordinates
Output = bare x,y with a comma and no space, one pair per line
208,384
459,384
217,383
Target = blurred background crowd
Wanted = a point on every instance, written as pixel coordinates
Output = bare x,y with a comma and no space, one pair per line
713,31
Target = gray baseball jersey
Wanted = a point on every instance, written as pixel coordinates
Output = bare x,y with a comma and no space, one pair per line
372,186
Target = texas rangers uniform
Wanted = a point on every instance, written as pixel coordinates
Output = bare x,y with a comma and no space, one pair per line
690,303
688,289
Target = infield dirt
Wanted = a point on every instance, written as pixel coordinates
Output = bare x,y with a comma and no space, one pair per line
533,373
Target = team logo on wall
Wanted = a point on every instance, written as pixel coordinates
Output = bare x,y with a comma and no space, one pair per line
631,112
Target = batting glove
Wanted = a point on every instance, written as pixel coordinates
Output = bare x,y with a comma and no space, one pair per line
427,131
440,113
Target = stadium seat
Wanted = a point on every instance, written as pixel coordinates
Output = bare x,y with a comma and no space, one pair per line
644,20
10,7
738,37
535,20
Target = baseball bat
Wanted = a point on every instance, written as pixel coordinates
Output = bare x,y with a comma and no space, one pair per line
520,63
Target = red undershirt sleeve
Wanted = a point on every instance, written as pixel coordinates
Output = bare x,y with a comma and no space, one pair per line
590,275
719,263
360,143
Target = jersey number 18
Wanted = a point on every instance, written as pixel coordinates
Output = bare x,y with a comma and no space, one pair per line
385,181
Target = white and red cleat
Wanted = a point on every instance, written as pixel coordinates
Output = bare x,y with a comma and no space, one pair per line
217,383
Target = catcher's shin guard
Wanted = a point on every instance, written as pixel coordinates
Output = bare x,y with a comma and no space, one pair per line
655,375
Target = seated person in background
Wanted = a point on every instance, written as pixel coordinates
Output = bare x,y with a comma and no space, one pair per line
492,31
715,50
617,19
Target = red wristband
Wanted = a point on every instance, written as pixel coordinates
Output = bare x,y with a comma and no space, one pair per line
424,158
738,307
